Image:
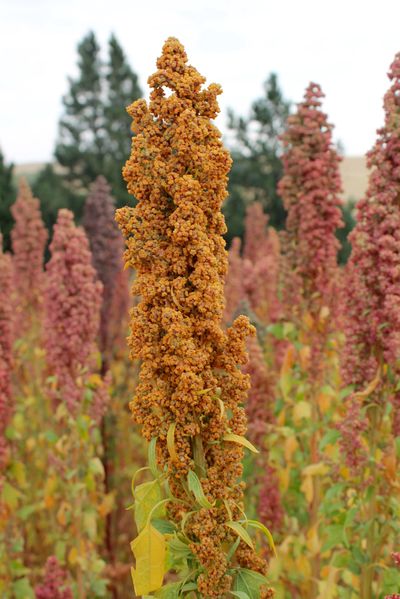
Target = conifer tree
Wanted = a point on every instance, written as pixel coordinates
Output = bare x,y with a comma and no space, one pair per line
7,198
257,167
80,146
94,131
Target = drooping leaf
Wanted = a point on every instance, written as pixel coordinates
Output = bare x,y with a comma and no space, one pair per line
232,438
241,532
171,441
197,490
264,529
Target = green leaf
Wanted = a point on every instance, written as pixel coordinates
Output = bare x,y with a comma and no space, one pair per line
152,457
241,532
10,495
163,526
96,467
22,589
329,438
197,490
249,582
240,594
232,438
178,548
334,535
264,529
276,330
169,591
346,392
147,495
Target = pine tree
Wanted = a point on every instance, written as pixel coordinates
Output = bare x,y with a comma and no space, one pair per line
123,89
94,130
7,198
257,167
80,147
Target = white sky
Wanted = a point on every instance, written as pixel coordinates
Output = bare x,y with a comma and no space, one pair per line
344,45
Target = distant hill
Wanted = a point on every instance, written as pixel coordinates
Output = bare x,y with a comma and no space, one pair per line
353,171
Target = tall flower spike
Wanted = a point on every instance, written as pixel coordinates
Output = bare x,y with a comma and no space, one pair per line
28,238
6,334
310,189
178,172
107,248
372,325
72,307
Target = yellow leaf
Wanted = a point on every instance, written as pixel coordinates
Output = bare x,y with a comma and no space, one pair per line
371,387
288,360
304,356
315,469
324,402
307,488
290,447
73,556
106,505
303,566
149,551
302,409
313,541
324,313
241,441
308,320
284,478
171,441
19,472
63,512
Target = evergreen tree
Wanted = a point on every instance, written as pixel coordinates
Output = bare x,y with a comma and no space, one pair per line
123,88
256,152
94,135
80,148
7,198
53,193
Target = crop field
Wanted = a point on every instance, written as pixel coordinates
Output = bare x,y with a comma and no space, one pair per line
191,411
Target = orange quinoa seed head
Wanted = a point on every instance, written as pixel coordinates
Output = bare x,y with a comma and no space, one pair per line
178,172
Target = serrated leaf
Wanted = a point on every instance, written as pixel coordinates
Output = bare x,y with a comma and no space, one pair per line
147,495
149,549
265,530
197,490
241,532
232,438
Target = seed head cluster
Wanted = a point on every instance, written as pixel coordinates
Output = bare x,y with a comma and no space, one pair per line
6,339
72,308
373,278
28,237
189,366
310,189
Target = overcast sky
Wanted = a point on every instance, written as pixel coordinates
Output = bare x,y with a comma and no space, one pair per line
344,45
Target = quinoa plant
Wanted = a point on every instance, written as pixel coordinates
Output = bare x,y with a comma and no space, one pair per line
190,393
370,429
